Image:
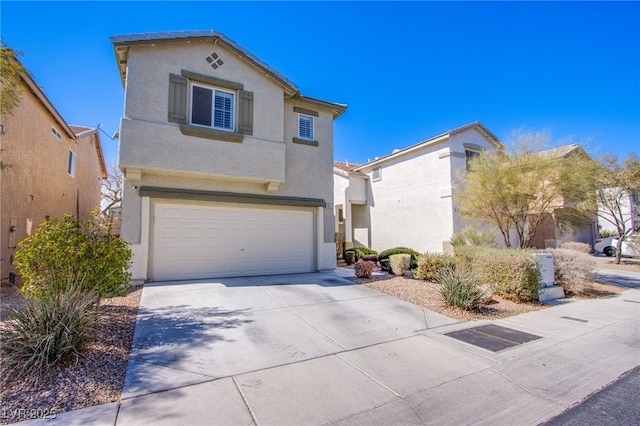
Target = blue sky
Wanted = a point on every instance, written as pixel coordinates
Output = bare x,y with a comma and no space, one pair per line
408,71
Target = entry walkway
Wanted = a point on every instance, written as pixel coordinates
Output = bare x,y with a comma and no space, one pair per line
316,349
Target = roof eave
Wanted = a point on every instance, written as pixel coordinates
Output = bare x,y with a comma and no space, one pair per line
31,84
121,45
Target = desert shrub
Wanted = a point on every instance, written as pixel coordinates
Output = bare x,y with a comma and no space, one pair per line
397,250
364,269
431,264
85,250
458,288
512,274
576,246
49,330
472,237
400,263
360,252
572,269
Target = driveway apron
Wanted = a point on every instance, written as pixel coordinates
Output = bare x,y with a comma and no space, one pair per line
193,332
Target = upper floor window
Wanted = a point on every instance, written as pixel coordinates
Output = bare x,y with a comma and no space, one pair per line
71,164
56,133
305,127
470,154
212,107
209,107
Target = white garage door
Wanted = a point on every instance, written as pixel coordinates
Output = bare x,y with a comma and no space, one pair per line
208,242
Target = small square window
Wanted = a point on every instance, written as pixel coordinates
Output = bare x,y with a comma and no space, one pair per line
376,174
71,164
56,133
305,127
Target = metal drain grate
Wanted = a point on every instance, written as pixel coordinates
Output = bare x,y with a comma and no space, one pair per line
492,337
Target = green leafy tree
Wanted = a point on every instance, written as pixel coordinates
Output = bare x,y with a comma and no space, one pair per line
83,250
10,71
516,191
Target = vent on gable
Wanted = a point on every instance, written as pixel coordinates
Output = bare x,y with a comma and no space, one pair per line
376,174
214,60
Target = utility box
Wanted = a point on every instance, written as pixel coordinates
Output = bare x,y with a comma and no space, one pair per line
547,291
546,269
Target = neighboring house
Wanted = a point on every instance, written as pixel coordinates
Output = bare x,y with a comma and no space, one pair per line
629,212
52,169
552,232
406,198
227,166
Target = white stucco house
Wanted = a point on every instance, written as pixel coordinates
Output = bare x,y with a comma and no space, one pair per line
406,198
227,166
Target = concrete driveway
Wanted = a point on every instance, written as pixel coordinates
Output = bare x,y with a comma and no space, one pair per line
195,332
316,349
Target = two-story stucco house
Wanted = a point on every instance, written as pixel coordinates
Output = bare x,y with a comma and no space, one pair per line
406,198
50,169
227,166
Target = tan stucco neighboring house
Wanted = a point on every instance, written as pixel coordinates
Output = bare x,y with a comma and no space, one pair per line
406,198
51,169
552,232
227,166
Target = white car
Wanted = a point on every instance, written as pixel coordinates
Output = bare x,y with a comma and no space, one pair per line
630,246
606,246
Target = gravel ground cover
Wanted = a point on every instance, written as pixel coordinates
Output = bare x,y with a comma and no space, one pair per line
96,378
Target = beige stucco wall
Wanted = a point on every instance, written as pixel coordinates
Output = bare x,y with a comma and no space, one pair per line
37,184
154,152
412,205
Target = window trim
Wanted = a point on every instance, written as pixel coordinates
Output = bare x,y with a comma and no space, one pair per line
302,117
72,162
213,89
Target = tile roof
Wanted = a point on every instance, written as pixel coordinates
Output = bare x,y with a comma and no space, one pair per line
151,38
121,44
559,152
346,169
475,125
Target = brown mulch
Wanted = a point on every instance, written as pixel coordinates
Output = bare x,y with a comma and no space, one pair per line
96,378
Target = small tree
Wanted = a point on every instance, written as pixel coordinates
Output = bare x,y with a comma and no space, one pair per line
10,71
10,91
516,191
617,182
85,251
111,189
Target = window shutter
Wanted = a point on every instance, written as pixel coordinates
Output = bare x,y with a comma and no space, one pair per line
245,112
177,99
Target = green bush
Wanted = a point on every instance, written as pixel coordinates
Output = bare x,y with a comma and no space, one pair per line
472,237
49,330
512,274
84,250
400,263
398,250
460,289
431,264
364,269
361,252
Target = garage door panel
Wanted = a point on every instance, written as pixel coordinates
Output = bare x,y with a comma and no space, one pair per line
207,242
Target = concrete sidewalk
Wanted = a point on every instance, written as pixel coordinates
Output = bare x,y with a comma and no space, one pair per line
359,358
